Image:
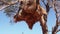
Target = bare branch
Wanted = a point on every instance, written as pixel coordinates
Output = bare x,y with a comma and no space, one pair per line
8,3
43,2
58,30
5,6
55,29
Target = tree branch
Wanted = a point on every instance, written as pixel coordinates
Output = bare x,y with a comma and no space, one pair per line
58,30
8,5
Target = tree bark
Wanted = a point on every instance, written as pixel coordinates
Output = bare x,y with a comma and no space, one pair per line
43,25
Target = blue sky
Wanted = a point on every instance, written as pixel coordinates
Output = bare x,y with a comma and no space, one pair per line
18,28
